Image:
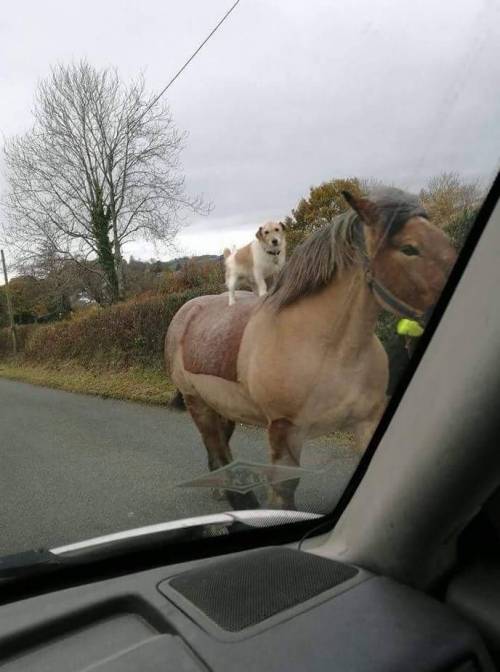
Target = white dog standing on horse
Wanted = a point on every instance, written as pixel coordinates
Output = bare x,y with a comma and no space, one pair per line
259,261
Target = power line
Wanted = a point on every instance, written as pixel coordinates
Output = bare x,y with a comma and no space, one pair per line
193,55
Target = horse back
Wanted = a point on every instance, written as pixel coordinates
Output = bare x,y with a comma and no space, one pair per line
208,333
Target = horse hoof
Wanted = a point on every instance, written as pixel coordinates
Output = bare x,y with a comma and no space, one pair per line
218,494
240,501
281,503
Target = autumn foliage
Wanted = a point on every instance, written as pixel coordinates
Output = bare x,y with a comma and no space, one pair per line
131,333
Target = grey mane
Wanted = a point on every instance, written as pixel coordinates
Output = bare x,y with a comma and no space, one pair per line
337,246
396,206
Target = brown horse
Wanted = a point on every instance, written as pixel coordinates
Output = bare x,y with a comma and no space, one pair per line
305,360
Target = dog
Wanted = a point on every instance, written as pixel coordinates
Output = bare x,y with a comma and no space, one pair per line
259,261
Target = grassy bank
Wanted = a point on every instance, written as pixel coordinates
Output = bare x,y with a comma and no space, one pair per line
134,384
112,352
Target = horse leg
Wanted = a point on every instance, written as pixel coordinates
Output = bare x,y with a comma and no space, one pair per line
285,442
211,427
365,430
228,429
215,432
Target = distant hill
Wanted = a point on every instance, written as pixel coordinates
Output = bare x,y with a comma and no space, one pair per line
176,264
157,266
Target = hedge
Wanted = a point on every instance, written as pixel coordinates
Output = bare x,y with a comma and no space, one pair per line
126,334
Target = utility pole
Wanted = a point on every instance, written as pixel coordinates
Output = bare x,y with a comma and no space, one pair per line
9,306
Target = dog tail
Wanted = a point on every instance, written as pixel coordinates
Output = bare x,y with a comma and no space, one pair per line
227,252
177,402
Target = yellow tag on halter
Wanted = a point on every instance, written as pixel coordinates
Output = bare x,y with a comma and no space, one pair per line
409,328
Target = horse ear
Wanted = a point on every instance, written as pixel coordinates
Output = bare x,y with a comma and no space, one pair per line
366,209
258,235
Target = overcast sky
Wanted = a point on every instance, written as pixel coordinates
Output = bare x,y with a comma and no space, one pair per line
287,94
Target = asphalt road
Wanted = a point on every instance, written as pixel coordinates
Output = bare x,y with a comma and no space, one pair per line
74,467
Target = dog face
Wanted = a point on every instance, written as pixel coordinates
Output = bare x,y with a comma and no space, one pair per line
272,235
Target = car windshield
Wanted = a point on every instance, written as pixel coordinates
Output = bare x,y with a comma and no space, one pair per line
224,229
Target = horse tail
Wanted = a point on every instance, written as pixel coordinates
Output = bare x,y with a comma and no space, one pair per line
227,252
177,402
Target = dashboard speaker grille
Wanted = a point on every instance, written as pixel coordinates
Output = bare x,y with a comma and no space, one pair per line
239,592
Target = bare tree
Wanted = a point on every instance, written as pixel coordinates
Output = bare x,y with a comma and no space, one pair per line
447,196
64,280
100,167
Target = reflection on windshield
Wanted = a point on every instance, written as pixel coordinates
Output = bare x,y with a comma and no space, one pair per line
232,263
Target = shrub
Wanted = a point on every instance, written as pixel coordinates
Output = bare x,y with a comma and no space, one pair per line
394,346
122,335
459,228
23,334
194,275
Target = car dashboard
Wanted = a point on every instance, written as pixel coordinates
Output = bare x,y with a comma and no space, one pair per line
268,609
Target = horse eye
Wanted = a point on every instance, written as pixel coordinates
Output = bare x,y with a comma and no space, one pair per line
410,250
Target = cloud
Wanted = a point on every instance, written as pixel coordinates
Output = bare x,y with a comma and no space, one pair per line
286,94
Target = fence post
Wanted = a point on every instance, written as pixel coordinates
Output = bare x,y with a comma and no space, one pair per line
9,305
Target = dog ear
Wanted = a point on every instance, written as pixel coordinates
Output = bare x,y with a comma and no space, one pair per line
283,226
259,235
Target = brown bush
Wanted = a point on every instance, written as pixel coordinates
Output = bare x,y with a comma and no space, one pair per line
23,331
126,334
194,275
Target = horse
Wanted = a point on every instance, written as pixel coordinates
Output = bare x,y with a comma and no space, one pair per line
304,360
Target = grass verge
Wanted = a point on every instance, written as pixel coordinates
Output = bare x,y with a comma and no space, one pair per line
149,386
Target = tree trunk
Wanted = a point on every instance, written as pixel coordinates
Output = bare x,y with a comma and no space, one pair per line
101,228
9,305
118,261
